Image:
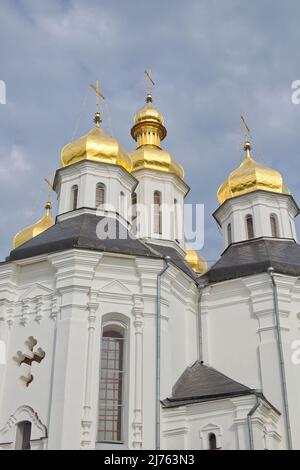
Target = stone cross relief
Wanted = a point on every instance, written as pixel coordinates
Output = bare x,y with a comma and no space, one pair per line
25,359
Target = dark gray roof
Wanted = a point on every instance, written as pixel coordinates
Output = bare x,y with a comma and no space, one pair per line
254,257
203,383
176,258
81,232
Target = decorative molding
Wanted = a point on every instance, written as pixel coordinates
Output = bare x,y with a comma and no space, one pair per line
25,309
27,358
23,413
116,287
86,422
138,312
206,430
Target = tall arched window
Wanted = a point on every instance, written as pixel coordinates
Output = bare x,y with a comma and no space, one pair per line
23,435
111,389
229,234
157,212
133,211
74,197
100,194
249,224
176,228
212,441
122,204
274,226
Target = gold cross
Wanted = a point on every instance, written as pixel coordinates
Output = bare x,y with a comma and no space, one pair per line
50,187
99,95
150,82
246,128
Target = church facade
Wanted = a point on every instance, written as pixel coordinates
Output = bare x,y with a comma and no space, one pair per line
118,336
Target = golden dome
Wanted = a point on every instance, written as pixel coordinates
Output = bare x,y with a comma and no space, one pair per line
148,131
148,113
96,146
195,260
155,159
251,176
36,229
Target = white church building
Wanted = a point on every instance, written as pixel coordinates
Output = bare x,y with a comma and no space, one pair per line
118,336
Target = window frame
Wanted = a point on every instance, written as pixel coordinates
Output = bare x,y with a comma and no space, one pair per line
229,233
249,218
212,436
157,216
23,435
74,197
118,328
275,227
102,187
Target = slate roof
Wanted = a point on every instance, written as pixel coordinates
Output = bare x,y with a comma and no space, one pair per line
203,383
176,258
81,232
254,257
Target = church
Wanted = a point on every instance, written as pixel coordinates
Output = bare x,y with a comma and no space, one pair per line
119,336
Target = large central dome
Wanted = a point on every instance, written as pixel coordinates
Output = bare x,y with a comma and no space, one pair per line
96,146
251,176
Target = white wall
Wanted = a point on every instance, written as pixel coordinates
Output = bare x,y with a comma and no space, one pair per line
188,427
240,336
171,188
86,175
80,290
260,205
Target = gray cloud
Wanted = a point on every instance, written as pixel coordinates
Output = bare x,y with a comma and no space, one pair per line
211,60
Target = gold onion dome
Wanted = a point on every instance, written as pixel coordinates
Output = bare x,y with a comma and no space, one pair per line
36,229
195,260
96,146
148,131
251,176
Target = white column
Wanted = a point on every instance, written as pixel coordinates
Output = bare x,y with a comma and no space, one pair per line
86,422
138,312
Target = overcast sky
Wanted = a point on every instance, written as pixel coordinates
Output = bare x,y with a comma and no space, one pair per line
211,61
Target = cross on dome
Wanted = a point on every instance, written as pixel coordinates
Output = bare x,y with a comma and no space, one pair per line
98,94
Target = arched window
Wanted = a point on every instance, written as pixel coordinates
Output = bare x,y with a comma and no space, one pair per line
274,226
111,393
157,212
23,435
212,441
74,197
133,210
176,228
249,224
229,234
122,204
100,194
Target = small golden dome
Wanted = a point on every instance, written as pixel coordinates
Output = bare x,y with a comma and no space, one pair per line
148,113
36,229
148,131
196,261
96,146
251,176
155,159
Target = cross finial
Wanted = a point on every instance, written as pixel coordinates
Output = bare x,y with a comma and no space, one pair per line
150,85
96,88
247,146
246,128
50,189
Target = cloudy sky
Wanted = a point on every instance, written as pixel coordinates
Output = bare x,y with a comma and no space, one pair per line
211,60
